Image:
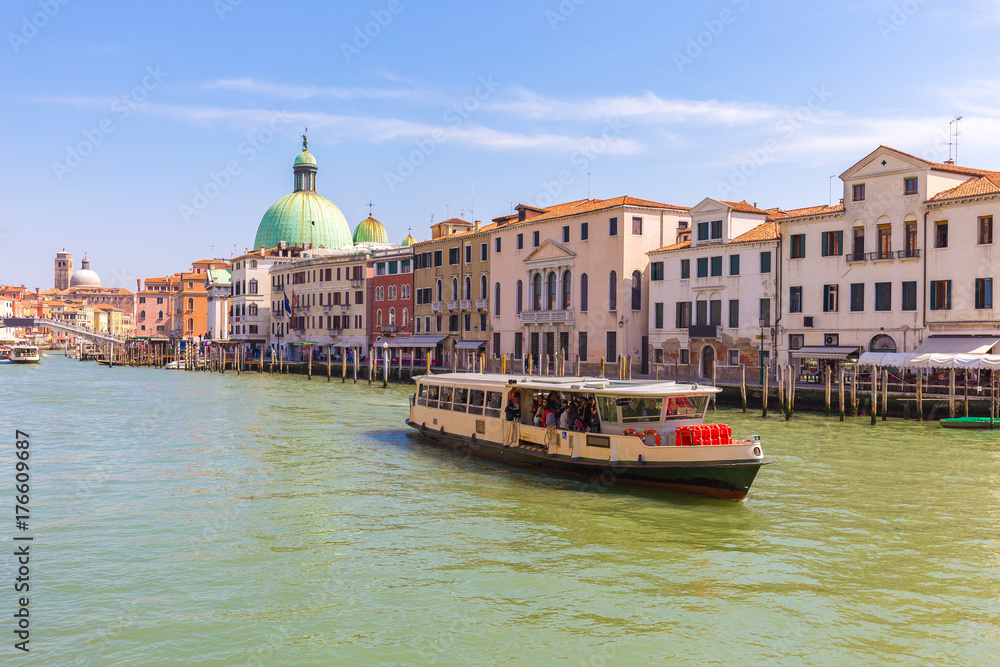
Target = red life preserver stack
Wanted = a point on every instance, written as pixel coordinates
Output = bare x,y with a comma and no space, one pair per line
704,434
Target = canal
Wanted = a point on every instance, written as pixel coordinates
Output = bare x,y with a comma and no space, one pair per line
201,518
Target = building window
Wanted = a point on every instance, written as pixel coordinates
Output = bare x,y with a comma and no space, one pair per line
858,192
883,296
584,291
613,227
565,233
535,237
454,256
550,292
518,296
440,290
567,290
685,269
636,290
910,185
701,312
519,242
765,311
734,265
702,231
636,226
795,299
716,266
884,241
941,234
467,321
909,295
496,300
940,295
467,292
703,267
984,293
831,301
833,243
438,258
496,245
683,320
584,231
716,226
658,315
858,243
857,297
798,247
715,312
796,341
684,357
613,290
985,229
910,240
611,346
733,357
765,261
734,313
656,271
536,292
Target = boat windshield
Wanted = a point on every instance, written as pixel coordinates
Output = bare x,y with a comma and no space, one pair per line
642,409
686,407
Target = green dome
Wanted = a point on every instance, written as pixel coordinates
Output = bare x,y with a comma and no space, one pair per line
291,218
305,157
370,230
408,241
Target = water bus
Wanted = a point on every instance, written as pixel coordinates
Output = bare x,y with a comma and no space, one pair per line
24,354
646,433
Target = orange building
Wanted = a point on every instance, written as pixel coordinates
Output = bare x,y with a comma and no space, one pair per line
155,306
191,300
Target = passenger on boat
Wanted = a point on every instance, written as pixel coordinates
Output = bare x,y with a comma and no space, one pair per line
564,420
513,407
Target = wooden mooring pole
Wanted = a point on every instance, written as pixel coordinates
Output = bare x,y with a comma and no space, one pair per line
743,386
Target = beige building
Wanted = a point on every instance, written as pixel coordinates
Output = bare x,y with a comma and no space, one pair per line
451,289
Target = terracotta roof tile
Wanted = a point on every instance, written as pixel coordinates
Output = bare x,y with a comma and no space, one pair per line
974,187
768,231
676,246
582,206
744,207
810,211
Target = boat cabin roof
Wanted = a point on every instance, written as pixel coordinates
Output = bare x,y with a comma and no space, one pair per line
588,384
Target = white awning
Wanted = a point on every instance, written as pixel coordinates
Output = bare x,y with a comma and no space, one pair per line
957,345
824,352
469,344
410,342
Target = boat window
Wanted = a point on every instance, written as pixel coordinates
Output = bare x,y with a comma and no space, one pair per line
422,395
476,399
607,409
445,398
681,407
494,399
461,397
642,409
432,396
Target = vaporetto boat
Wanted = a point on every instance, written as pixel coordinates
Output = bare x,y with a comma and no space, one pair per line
24,354
646,433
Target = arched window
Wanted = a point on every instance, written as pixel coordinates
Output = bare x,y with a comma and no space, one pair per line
467,294
142,314
536,289
518,297
253,287
636,290
496,299
406,317
583,293
190,304
406,291
438,290
483,286
567,290
550,292
253,309
160,315
454,288
392,317
190,327
253,263
378,318
392,292
613,291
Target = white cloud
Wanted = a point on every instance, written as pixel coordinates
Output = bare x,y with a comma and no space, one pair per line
293,92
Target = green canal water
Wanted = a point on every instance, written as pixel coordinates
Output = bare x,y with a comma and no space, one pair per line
195,518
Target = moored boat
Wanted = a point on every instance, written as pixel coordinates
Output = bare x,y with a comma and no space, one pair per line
635,432
25,354
969,423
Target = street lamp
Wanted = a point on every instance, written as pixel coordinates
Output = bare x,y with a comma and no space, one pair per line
762,322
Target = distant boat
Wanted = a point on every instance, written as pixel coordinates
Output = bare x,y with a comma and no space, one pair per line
970,423
25,354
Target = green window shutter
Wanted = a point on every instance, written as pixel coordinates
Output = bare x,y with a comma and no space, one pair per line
947,298
825,237
840,243
933,295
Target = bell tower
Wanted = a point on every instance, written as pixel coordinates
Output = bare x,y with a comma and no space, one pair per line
64,269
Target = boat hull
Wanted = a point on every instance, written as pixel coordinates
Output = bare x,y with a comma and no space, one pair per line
728,480
969,423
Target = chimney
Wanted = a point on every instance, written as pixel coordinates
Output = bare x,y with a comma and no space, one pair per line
478,225
447,230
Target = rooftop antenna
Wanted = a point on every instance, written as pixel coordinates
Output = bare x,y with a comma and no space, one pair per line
951,125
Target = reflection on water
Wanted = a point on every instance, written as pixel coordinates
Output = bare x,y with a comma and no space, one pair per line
194,517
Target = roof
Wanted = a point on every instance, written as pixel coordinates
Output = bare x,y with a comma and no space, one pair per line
675,246
807,211
974,187
767,231
744,207
582,206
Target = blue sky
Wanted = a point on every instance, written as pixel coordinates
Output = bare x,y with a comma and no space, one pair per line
151,134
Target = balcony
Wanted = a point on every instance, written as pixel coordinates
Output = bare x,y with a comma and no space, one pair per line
345,307
482,304
703,331
547,317
855,257
389,328
453,305
909,253
357,283
882,256
436,307
466,304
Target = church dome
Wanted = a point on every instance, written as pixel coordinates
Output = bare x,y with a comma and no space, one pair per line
408,241
304,216
85,277
370,230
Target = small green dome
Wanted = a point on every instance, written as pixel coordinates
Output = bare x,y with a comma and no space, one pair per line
370,230
303,217
305,158
408,241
